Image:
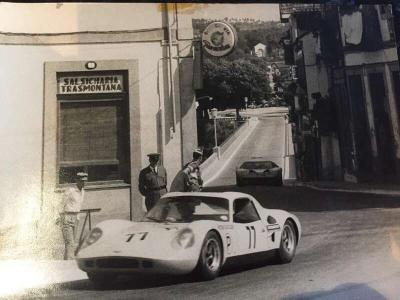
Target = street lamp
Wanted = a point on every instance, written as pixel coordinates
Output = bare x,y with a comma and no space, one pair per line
214,113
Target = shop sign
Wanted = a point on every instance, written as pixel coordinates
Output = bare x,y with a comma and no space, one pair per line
90,84
219,39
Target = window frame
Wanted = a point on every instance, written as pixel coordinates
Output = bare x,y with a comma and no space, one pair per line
122,97
252,204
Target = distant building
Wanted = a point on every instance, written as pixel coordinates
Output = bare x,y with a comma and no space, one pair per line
260,50
346,100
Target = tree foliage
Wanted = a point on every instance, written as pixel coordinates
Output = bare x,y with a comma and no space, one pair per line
230,81
232,78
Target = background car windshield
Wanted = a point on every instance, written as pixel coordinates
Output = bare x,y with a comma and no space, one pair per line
258,165
185,209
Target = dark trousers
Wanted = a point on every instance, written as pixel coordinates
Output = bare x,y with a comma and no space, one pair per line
152,198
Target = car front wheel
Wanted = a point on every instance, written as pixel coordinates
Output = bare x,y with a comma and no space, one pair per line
287,248
210,259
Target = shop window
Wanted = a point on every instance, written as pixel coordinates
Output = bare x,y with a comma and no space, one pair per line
93,136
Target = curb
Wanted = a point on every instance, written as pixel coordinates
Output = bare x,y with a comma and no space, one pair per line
341,190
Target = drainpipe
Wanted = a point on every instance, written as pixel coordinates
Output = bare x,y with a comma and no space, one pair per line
161,110
171,80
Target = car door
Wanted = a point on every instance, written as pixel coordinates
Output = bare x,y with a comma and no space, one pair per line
249,233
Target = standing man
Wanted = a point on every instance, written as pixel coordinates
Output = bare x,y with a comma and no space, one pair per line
72,202
153,181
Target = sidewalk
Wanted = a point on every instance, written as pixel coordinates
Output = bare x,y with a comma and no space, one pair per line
19,276
387,189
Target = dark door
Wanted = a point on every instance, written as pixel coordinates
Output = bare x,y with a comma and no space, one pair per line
396,86
361,128
383,129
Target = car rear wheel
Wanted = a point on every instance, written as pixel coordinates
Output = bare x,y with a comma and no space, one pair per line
287,248
239,181
210,259
101,280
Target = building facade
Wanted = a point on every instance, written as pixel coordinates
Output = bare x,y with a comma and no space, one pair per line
346,95
95,91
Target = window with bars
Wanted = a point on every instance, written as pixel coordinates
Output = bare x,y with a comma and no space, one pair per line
93,137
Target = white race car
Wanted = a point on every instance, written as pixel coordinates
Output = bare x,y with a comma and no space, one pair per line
187,232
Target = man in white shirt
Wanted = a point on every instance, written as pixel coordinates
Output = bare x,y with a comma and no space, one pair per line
72,202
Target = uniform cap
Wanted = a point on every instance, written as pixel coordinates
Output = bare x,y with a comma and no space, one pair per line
153,154
82,176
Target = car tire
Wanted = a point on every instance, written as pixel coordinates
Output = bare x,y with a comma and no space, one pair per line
210,259
101,280
288,244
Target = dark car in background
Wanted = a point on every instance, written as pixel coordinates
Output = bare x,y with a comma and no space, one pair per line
258,170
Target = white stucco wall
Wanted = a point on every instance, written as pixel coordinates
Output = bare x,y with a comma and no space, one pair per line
73,17
22,88
21,115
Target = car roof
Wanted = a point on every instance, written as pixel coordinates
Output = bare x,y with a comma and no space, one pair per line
227,195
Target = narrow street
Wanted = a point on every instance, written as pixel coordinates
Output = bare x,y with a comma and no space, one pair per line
267,140
350,247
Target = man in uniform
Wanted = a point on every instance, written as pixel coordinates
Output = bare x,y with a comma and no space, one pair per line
72,202
153,181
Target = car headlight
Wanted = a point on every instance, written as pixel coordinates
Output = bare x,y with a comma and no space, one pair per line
185,238
93,237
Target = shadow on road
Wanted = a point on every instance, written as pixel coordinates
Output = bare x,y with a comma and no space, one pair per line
345,291
131,282
303,199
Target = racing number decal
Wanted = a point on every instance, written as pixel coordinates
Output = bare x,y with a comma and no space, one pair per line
251,230
141,234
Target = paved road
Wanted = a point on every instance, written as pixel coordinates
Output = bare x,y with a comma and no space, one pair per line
350,248
267,140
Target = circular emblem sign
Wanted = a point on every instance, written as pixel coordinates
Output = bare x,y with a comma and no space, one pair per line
219,39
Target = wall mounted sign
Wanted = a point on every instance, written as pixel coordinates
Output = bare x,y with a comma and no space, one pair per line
90,84
219,39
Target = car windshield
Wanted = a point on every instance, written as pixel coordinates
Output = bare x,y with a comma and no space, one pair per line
258,165
185,209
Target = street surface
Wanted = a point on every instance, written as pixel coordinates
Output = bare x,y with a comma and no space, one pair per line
267,140
350,247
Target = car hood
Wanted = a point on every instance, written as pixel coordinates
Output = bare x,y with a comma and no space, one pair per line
139,239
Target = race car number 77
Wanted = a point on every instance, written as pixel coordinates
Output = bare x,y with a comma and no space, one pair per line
141,236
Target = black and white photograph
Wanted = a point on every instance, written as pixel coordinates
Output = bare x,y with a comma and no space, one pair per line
200,150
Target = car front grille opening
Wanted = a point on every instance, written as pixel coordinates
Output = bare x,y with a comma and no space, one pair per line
120,263
147,264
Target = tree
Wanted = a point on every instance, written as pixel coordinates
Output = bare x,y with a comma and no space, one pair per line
229,82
